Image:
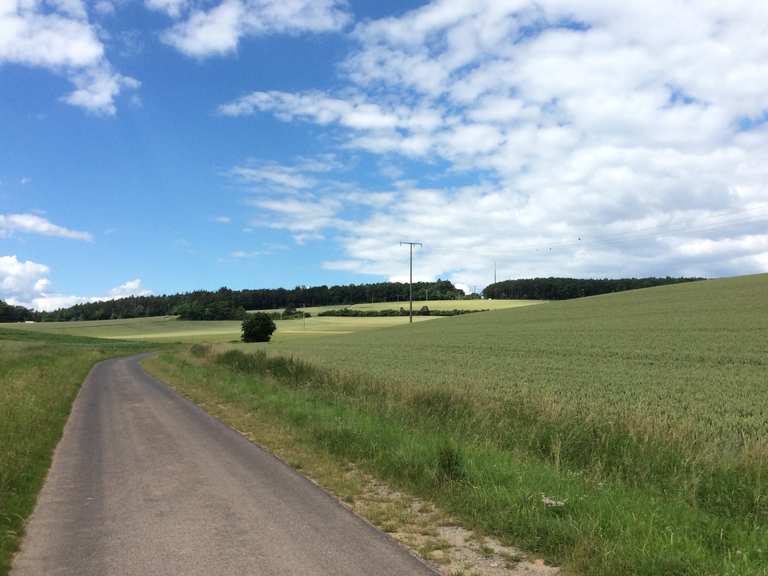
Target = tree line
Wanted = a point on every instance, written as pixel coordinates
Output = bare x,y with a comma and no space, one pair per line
227,304
10,313
567,288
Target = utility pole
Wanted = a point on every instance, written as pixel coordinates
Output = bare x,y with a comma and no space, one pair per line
410,283
494,271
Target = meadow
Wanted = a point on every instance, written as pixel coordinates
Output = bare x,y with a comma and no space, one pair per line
624,434
619,434
168,329
40,375
469,304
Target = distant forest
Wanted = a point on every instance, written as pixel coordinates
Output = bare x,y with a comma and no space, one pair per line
10,313
226,304
567,288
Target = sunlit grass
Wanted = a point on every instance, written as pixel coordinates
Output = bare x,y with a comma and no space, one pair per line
169,329
39,378
469,304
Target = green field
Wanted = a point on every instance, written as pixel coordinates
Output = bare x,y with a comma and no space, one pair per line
169,329
685,361
40,375
645,412
432,304
643,415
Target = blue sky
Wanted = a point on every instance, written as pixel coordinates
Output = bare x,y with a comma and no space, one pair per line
171,145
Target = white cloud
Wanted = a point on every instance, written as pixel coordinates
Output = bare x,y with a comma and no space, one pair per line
104,7
173,8
26,283
34,224
17,277
57,36
274,175
222,219
305,196
218,30
97,88
130,288
638,127
300,216
248,253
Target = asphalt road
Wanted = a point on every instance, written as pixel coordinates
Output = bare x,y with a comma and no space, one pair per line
145,483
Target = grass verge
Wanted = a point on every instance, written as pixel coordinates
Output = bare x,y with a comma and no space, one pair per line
40,376
438,447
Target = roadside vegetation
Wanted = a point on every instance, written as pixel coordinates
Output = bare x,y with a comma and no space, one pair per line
622,434
40,375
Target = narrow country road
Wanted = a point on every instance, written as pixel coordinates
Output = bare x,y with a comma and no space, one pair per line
145,483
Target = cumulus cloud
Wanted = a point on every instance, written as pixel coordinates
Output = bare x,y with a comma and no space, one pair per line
34,224
218,30
602,138
17,277
26,283
57,35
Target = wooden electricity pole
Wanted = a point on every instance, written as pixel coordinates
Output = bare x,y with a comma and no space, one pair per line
410,282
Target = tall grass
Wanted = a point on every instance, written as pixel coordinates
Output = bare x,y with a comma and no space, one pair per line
600,450
39,378
492,466
662,388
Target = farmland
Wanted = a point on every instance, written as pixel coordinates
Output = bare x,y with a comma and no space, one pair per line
618,434
169,329
682,361
468,304
643,415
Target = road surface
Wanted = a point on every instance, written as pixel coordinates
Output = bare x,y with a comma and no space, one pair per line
145,483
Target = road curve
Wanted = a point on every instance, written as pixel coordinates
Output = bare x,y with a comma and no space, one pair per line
145,483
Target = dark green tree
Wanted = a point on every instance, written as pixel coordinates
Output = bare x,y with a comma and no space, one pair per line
258,327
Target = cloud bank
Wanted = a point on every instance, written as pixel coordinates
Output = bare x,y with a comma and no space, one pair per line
554,137
26,283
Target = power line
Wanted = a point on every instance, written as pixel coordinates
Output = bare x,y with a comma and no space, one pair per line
410,281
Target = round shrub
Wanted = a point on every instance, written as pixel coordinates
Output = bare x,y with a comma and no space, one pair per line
258,327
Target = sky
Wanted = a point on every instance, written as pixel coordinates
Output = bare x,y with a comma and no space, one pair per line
160,146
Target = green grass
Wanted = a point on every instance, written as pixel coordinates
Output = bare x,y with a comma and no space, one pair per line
428,445
685,363
646,410
40,375
169,329
432,304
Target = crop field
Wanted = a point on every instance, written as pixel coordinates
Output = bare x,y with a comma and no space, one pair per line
169,329
648,411
432,304
682,361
